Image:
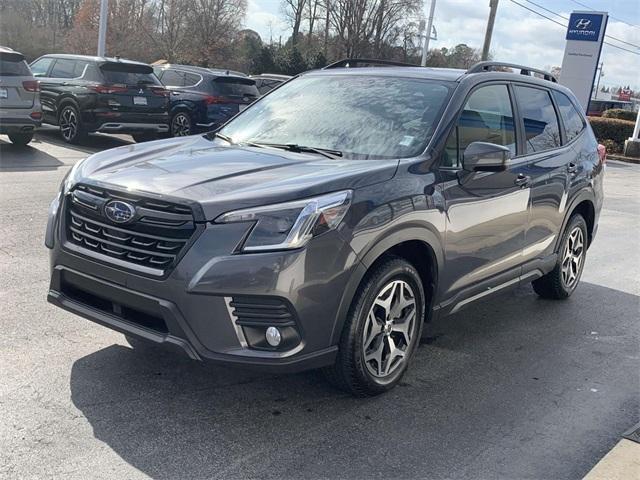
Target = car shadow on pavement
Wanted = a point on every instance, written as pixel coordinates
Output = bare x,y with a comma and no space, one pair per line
509,388
94,142
18,158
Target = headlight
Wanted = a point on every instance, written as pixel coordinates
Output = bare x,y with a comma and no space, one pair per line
292,224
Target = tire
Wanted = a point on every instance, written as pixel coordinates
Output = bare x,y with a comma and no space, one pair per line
21,139
144,137
562,281
70,124
364,365
181,125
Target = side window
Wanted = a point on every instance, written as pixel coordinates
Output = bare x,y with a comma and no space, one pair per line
173,78
190,79
572,119
41,67
540,121
79,69
63,68
486,117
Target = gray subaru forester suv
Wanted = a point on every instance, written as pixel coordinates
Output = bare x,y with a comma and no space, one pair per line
20,110
322,226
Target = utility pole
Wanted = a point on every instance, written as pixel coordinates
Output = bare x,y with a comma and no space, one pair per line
102,32
493,5
595,97
427,35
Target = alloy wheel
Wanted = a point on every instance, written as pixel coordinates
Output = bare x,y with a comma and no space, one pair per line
573,258
68,124
181,125
389,328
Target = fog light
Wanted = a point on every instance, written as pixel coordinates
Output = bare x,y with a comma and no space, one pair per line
273,336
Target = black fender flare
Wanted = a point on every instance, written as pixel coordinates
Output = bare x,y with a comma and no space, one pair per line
410,233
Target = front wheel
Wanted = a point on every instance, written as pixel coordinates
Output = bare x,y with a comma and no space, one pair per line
181,125
21,139
382,330
561,282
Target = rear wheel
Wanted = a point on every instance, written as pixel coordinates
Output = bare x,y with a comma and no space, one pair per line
144,137
382,330
564,278
21,139
181,125
71,125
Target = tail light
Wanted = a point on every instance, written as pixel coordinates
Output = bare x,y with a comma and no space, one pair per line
36,115
602,153
108,89
211,100
31,85
160,91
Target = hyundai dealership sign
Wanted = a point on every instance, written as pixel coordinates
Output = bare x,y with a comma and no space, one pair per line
585,34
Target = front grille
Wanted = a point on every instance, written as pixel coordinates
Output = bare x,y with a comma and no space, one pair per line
155,238
261,311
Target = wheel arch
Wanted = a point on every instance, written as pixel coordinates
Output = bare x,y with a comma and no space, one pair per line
63,102
419,246
584,204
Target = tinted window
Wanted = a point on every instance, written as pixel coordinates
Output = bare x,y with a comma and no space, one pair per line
173,78
235,87
540,120
40,67
10,68
486,117
572,119
190,79
128,74
79,70
63,68
361,116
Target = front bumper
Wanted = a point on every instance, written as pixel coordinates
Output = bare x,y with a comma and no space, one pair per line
190,308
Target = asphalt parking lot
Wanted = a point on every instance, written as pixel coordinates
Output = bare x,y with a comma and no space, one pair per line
515,387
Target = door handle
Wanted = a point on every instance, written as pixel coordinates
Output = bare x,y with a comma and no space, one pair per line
522,180
572,168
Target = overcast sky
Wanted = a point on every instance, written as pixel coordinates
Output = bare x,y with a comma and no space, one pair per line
519,36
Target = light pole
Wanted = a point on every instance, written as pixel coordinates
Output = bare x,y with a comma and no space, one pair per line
493,5
102,32
427,35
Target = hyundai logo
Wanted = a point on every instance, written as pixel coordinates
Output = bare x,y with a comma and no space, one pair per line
583,24
119,212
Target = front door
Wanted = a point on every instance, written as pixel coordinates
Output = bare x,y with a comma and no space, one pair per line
486,212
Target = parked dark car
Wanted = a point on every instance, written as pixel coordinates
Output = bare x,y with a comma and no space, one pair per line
326,223
20,111
202,99
266,82
83,94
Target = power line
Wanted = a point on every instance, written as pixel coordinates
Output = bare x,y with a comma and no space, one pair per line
565,26
616,18
566,18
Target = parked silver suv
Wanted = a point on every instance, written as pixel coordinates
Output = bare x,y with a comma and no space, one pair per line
20,110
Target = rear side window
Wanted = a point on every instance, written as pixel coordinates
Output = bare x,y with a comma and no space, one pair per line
64,68
12,68
172,78
571,118
41,67
128,74
540,121
486,117
235,87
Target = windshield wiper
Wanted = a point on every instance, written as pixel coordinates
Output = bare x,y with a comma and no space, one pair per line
212,135
294,147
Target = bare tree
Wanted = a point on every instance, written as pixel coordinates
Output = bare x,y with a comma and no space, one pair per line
294,11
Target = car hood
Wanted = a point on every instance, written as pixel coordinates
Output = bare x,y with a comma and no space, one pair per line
220,177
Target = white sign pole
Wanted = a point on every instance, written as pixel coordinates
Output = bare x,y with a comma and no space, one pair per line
585,34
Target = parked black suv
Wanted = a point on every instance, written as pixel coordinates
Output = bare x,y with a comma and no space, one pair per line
202,99
85,94
322,226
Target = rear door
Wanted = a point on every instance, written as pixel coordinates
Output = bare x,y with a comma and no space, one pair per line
17,86
60,80
131,89
549,166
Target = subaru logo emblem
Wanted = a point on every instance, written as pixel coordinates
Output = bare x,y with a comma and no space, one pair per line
583,24
119,212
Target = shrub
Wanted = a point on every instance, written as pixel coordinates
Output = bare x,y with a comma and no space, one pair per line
620,114
611,146
613,129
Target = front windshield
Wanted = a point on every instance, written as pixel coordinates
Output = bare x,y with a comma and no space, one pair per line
360,116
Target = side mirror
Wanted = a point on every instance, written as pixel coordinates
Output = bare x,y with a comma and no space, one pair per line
486,157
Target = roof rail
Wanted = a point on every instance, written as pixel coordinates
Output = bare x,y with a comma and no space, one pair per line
487,66
366,62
